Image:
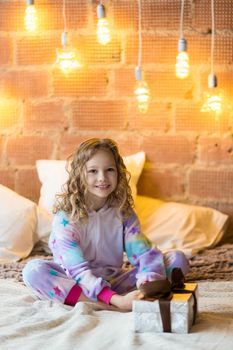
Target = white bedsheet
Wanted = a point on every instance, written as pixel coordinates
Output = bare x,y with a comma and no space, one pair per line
28,324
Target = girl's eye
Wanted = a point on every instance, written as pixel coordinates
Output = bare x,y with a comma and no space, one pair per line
92,171
111,169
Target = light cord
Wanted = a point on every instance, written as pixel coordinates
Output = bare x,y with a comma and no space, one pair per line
182,19
212,38
64,15
139,33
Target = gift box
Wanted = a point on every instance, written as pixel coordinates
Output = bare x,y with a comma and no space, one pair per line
157,316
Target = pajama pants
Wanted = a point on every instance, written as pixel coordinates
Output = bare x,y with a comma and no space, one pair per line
48,280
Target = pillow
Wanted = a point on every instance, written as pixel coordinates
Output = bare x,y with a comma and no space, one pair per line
53,175
171,225
18,220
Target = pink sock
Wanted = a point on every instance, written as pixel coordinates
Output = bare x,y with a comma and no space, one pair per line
73,295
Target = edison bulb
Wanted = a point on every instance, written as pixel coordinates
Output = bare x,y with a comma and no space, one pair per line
30,19
67,60
103,32
213,102
142,95
182,65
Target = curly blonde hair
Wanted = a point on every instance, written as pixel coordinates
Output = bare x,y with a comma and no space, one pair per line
72,200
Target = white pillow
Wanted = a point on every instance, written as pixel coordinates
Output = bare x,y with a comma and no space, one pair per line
171,225
18,220
53,175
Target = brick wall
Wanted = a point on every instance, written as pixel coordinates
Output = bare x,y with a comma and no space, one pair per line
44,114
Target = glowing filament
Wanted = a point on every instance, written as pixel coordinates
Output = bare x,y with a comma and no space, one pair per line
182,65
142,95
213,103
30,19
67,60
103,32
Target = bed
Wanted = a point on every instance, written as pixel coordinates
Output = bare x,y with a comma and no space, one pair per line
27,323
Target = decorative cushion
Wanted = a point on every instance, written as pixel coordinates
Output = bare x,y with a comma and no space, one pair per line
18,221
171,225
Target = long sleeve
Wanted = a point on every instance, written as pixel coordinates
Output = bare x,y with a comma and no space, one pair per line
148,260
66,248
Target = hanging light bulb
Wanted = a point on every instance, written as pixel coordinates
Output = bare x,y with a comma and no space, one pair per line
213,100
30,19
66,57
182,60
103,32
141,91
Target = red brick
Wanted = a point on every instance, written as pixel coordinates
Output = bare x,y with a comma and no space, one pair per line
161,84
157,117
91,52
99,115
214,184
167,85
7,178
13,18
27,184
121,19
50,14
155,14
25,150
128,144
6,56
155,49
80,83
163,49
165,14
124,82
37,50
199,48
44,116
223,14
161,184
68,144
169,149
10,113
215,150
225,83
188,117
23,84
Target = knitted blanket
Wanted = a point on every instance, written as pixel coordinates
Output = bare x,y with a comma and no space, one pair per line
27,323
214,264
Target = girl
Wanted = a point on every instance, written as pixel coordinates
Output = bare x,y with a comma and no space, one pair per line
94,224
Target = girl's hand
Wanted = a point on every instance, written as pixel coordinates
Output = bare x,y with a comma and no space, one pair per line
124,302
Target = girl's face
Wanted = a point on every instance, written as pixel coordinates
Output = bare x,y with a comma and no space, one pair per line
101,177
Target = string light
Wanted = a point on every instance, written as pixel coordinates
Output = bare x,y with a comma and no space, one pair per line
66,56
30,19
141,90
103,32
213,99
182,59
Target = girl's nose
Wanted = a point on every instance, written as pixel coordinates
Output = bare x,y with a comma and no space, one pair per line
101,176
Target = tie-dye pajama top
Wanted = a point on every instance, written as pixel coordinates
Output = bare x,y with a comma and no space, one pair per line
91,252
